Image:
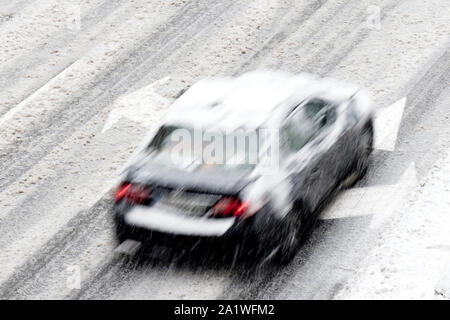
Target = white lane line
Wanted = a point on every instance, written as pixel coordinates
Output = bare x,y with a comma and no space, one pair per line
387,124
380,201
13,111
138,106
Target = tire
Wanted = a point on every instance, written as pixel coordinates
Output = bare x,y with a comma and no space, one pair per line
122,232
291,232
362,162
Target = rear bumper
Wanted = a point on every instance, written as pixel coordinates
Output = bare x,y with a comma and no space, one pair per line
253,231
158,219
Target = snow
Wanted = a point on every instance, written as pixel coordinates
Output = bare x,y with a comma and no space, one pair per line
387,123
443,286
380,202
412,250
141,106
47,61
250,100
80,75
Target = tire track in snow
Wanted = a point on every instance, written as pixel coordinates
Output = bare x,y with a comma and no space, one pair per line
75,236
43,62
422,112
332,42
18,158
110,266
28,271
277,38
343,48
118,278
105,283
237,285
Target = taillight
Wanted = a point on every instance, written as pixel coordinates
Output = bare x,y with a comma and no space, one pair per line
230,207
132,193
122,191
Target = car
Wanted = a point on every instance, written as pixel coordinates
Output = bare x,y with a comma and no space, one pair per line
302,139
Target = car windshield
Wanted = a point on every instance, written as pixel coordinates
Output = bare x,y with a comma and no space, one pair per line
194,149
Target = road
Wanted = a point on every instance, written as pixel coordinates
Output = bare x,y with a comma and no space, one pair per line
74,73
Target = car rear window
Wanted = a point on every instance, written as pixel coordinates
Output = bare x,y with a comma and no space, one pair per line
197,149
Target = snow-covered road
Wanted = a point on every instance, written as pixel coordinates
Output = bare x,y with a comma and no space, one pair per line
73,73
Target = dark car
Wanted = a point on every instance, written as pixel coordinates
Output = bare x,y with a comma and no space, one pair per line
248,161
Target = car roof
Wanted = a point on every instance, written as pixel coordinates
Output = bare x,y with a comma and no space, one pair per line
251,100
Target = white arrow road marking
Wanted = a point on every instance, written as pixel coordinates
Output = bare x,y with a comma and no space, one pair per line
380,201
387,124
140,106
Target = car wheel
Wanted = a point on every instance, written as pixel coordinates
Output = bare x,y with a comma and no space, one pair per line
290,236
122,232
366,149
362,162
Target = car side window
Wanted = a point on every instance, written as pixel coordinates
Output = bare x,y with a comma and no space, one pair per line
321,113
298,130
307,121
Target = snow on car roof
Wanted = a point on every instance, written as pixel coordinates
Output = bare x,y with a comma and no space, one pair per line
250,100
